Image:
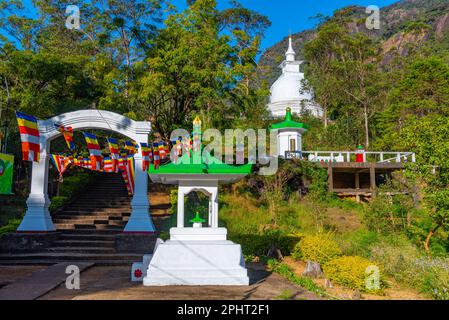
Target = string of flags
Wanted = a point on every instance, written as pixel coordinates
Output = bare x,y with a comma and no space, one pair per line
119,160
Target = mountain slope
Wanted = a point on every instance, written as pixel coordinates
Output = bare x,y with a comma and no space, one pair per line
397,20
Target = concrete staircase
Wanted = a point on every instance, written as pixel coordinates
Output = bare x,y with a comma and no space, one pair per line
89,224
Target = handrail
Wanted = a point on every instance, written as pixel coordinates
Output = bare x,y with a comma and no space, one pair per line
345,156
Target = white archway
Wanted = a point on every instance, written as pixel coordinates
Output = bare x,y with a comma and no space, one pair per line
37,217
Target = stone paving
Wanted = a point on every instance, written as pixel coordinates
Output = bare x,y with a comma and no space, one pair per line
113,283
33,285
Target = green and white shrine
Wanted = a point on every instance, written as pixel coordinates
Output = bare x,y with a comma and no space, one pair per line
289,137
197,254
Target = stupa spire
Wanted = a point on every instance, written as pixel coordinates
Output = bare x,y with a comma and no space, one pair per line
290,54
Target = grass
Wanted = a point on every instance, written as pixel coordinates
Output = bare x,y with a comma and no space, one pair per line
288,273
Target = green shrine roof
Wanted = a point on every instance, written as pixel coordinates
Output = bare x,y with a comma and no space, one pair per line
199,162
288,123
195,163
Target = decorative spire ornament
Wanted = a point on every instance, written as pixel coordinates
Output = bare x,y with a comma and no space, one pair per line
197,221
197,134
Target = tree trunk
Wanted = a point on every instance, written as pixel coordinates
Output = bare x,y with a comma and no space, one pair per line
431,233
325,121
365,114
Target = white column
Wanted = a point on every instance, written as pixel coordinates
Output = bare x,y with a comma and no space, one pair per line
214,207
140,219
210,215
180,212
37,217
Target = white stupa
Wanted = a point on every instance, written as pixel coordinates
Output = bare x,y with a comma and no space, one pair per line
288,91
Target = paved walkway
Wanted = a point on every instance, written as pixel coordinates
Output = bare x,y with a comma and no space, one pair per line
113,283
38,283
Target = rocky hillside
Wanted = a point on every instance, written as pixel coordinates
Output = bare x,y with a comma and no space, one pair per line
398,22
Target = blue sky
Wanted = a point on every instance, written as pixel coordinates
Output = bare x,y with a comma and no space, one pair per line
285,15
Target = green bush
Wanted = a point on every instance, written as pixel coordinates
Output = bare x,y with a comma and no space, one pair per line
405,264
358,243
352,272
319,248
74,184
173,201
259,243
436,279
71,187
12,226
58,202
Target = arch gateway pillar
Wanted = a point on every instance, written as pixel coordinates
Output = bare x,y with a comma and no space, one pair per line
37,217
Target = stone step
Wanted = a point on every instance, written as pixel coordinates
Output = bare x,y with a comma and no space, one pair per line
83,250
91,214
93,204
49,262
85,243
87,217
76,220
98,207
69,232
61,256
87,237
67,226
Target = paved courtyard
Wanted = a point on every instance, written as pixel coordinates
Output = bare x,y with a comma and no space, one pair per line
106,283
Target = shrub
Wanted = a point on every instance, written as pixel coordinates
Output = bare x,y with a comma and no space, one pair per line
320,248
398,260
173,201
358,243
260,243
351,272
436,278
12,226
58,202
74,184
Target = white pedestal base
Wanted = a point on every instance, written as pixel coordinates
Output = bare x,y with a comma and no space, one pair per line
197,262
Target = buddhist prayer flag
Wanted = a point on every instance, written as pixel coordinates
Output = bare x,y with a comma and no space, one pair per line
58,162
131,147
126,167
96,163
110,165
187,144
114,148
156,157
62,163
145,156
197,135
67,132
92,144
29,134
176,150
161,149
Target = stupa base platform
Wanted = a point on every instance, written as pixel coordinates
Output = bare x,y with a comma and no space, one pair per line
197,262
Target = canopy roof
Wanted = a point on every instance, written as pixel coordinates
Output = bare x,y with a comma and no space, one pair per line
288,123
195,164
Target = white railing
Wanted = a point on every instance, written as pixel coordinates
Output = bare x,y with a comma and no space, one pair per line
350,156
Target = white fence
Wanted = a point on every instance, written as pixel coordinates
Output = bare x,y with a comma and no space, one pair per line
350,156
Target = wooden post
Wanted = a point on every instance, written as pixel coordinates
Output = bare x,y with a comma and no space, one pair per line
357,180
372,174
330,173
